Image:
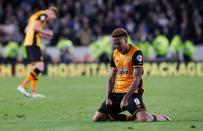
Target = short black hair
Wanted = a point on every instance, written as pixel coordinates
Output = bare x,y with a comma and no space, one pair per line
118,32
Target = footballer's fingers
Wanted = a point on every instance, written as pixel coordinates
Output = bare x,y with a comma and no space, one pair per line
124,104
50,33
108,102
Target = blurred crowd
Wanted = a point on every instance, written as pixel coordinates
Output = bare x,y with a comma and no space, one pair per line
83,21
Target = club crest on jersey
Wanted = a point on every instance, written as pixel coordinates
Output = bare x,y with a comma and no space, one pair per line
42,17
139,58
123,71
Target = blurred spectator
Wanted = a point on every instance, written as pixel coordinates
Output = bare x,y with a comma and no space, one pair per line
175,48
85,33
101,49
170,17
161,45
1,53
66,49
188,51
86,21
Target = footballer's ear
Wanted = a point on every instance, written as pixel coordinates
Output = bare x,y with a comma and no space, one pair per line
125,39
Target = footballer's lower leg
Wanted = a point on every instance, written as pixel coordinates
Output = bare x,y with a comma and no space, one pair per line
99,117
26,81
144,116
38,68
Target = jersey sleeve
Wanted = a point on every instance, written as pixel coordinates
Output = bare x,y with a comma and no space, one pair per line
137,59
42,17
112,63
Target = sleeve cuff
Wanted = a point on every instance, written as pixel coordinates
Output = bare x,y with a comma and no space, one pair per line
138,66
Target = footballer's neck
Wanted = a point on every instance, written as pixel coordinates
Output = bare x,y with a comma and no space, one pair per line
127,49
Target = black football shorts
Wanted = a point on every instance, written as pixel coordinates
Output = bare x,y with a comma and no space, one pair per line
135,104
34,53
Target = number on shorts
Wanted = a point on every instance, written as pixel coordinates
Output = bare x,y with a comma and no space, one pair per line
137,101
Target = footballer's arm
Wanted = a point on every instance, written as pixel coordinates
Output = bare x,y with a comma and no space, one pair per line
42,31
26,29
110,85
137,74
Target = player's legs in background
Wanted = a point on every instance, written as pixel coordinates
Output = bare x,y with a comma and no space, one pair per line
22,87
28,79
144,116
37,69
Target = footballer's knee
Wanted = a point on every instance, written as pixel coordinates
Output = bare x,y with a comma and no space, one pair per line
98,117
40,66
141,116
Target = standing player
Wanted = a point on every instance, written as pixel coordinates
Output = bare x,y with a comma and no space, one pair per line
34,31
125,84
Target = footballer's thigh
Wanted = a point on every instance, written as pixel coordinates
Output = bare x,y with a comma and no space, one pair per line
137,108
35,57
109,112
136,105
34,54
106,112
40,65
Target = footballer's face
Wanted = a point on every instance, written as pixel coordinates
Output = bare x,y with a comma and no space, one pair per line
121,44
51,14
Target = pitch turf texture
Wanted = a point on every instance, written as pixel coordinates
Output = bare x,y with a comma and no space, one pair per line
71,103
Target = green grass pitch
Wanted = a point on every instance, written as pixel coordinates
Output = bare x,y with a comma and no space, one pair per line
71,103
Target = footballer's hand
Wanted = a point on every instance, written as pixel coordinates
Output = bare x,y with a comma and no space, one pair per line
108,102
50,33
123,104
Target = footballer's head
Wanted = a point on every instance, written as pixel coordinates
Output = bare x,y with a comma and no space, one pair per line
120,40
52,13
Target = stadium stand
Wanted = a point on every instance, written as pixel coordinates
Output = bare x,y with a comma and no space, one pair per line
85,21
